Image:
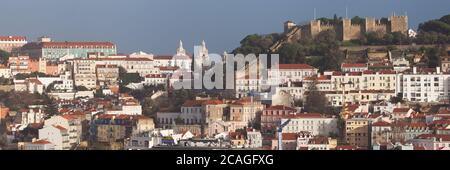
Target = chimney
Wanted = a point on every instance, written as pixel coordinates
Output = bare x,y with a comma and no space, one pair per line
438,70
414,70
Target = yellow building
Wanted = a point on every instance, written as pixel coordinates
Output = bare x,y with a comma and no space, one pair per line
357,132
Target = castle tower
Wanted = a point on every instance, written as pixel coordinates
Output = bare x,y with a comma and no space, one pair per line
369,24
314,27
288,25
346,29
399,24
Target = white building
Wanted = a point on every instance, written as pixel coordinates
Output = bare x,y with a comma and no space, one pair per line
432,142
126,107
39,145
71,123
56,135
254,139
314,123
354,67
155,79
181,59
246,85
32,115
291,73
5,72
427,85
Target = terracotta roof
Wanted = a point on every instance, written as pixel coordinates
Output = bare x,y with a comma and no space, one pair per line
59,127
117,59
13,38
445,138
381,123
155,76
163,57
419,148
280,107
192,103
346,147
304,115
213,102
318,140
320,78
295,66
169,68
348,65
77,45
42,142
289,136
400,110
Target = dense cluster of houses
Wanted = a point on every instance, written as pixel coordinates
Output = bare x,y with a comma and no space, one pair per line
369,118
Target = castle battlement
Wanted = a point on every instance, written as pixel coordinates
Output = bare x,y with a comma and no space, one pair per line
346,30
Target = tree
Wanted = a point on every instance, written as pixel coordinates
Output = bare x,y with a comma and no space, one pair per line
435,26
433,57
51,107
358,20
22,76
256,44
315,101
81,88
4,57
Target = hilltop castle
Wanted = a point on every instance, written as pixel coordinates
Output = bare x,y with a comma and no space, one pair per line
346,30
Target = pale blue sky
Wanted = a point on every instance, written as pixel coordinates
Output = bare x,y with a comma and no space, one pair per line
156,26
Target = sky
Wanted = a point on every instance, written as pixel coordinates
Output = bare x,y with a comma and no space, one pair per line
156,26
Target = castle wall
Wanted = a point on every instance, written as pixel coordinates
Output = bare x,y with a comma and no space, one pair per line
350,31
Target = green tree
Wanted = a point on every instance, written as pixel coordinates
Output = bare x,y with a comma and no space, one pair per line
358,20
315,101
4,57
81,88
256,44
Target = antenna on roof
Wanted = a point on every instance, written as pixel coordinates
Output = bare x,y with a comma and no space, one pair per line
314,13
346,12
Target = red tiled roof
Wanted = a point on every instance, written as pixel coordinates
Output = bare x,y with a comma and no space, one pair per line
400,110
354,73
13,38
59,127
163,57
318,140
348,65
280,107
346,147
117,59
429,136
304,115
289,136
169,68
77,45
295,66
42,142
213,102
419,148
320,78
192,103
155,76
387,72
381,123
68,117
